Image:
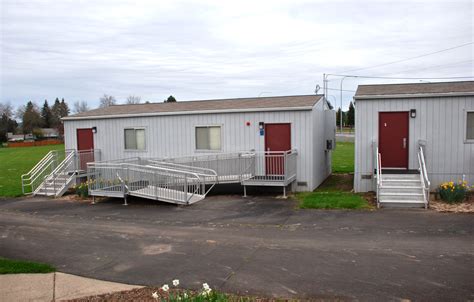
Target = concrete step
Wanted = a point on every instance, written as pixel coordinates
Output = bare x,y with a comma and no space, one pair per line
400,203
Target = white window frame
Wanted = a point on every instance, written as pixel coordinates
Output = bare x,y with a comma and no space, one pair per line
466,140
207,150
135,150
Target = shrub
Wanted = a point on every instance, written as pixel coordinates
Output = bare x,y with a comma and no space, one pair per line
82,189
453,192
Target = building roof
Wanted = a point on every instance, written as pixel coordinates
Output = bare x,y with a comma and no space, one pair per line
50,131
278,103
414,90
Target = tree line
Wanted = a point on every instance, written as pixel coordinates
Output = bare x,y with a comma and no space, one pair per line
348,117
30,118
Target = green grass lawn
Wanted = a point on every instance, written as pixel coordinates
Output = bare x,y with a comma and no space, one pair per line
334,193
332,200
343,158
8,266
17,161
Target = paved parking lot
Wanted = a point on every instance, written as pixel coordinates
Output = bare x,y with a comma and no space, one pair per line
258,245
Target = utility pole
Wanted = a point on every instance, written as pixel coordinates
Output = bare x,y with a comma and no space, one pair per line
340,118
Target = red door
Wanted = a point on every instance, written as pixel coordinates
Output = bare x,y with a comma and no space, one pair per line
85,146
393,139
277,139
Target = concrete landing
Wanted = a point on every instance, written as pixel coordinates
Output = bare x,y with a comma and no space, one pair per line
54,287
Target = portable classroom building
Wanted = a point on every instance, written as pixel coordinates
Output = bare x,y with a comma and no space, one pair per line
401,118
167,130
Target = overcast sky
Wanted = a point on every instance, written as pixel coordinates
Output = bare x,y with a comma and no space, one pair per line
194,50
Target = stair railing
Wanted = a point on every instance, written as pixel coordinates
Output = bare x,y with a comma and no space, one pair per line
35,176
378,161
424,176
68,164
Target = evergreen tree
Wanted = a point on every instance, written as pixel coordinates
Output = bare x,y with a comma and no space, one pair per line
56,113
63,109
351,115
338,117
31,118
46,115
170,99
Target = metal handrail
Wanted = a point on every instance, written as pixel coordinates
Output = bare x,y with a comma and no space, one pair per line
424,176
28,179
70,158
378,161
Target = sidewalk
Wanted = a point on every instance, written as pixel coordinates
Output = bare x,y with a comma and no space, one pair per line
54,287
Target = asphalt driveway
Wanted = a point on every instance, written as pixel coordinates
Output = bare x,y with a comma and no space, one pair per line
258,245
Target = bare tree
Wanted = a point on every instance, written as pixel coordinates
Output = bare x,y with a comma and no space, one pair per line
7,109
80,106
107,100
133,99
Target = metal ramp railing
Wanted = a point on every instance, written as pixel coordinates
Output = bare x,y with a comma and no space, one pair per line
183,179
232,167
149,180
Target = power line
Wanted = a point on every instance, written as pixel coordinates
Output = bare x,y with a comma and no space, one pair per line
340,89
434,67
412,58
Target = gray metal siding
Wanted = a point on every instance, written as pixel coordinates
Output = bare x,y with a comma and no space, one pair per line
440,121
321,157
168,136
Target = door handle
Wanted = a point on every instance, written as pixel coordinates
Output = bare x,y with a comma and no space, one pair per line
404,143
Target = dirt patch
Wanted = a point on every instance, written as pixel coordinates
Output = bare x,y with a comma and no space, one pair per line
463,207
467,206
156,249
145,295
337,182
371,199
70,196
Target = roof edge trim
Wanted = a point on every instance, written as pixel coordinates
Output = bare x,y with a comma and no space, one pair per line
147,114
412,95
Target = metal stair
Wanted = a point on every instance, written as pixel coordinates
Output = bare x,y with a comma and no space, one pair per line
56,172
63,176
401,190
56,185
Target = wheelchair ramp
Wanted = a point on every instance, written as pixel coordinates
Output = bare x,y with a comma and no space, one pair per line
146,179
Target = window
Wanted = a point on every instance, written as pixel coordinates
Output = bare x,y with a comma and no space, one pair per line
208,138
134,139
470,126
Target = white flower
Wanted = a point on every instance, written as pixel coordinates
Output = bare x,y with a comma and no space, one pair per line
205,286
165,287
185,295
175,282
155,295
206,292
